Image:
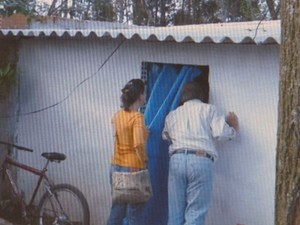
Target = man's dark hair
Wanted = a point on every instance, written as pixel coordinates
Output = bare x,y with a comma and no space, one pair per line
194,90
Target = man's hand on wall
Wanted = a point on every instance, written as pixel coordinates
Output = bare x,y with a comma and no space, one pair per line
232,120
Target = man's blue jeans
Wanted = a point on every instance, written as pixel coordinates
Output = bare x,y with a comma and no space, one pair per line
121,214
189,189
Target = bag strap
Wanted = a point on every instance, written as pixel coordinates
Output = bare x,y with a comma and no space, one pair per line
138,155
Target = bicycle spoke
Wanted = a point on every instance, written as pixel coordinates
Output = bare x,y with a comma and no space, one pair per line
64,207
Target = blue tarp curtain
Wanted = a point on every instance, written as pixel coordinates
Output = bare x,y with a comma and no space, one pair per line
164,86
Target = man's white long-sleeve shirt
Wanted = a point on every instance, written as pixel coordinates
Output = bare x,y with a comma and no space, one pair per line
195,125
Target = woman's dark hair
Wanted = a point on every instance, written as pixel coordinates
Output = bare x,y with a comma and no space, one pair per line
194,90
131,92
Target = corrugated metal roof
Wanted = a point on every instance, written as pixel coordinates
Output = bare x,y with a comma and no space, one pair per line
255,32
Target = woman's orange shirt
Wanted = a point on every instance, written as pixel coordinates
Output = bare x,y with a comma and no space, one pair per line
131,139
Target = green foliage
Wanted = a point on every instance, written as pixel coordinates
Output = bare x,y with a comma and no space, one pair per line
249,10
139,13
196,12
7,79
25,7
103,10
142,12
242,10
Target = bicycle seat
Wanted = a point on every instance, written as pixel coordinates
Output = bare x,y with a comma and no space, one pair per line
54,156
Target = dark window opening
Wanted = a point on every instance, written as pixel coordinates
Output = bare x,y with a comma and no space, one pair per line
151,70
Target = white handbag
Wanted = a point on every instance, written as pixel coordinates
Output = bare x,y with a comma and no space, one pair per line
131,187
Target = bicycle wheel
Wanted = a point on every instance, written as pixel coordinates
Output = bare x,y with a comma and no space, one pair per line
65,205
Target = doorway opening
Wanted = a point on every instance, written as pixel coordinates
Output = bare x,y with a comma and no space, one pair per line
164,83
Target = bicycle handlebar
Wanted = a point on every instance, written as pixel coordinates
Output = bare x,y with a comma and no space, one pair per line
17,146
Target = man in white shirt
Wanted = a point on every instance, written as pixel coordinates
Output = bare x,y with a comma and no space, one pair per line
191,130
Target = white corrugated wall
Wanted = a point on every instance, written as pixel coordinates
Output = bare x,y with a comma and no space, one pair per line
243,78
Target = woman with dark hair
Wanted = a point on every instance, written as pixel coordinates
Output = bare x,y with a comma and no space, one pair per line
130,147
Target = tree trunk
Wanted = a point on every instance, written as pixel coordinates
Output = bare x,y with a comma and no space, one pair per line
287,209
8,107
52,8
163,13
271,7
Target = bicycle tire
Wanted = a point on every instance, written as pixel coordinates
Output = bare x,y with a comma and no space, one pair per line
65,205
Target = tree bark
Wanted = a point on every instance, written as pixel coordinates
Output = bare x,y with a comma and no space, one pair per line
287,207
8,107
52,8
271,7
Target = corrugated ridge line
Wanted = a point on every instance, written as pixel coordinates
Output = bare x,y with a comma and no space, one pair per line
265,33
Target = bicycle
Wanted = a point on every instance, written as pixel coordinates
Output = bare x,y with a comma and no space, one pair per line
61,204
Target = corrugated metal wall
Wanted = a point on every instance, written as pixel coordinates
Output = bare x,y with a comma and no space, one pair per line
243,78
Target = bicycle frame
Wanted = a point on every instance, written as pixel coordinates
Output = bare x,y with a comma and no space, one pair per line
41,173
52,206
